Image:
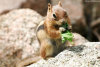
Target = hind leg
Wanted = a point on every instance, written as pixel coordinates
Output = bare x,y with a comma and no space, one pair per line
47,49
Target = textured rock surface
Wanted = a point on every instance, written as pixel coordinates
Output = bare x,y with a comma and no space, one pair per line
17,36
85,55
78,39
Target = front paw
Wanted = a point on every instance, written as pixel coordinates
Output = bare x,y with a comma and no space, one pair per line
61,29
70,28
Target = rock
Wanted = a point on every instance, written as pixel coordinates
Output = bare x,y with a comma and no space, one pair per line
10,4
78,39
17,36
85,55
75,12
38,5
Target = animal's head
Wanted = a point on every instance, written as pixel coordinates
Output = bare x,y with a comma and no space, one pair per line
57,14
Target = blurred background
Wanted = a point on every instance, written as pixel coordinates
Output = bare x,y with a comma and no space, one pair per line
84,14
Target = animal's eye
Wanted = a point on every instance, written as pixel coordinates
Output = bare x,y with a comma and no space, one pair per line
54,16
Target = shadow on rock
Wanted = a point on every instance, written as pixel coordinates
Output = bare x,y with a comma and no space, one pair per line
77,49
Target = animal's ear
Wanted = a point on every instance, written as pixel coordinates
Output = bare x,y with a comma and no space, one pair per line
59,3
49,7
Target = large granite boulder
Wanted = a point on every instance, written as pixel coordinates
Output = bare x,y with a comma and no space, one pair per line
84,55
17,36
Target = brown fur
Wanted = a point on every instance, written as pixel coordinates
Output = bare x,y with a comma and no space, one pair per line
48,32
50,36
50,22
51,31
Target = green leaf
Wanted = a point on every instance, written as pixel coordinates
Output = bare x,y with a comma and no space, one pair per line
67,35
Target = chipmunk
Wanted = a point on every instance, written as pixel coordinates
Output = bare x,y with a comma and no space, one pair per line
49,32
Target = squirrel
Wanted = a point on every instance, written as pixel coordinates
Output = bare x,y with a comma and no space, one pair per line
49,33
